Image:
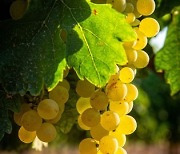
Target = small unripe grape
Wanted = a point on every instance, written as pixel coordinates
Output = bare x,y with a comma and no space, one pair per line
129,8
118,5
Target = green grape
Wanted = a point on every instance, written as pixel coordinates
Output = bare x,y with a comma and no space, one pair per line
26,136
84,88
56,119
118,5
120,107
83,104
97,132
108,145
131,55
141,41
132,93
110,120
88,146
81,124
130,106
48,109
17,116
126,75
136,13
121,151
142,59
130,18
129,8
90,117
99,100
64,84
31,121
59,94
17,9
149,26
135,23
121,138
127,125
47,132
145,7
116,91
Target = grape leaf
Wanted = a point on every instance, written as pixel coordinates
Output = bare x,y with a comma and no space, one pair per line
33,54
168,58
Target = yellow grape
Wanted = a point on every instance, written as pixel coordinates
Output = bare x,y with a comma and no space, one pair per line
135,23
90,117
141,41
81,124
121,138
127,125
48,109
131,55
97,132
108,145
110,120
130,106
149,26
118,5
129,8
128,45
136,13
130,18
47,132
64,84
56,119
121,151
84,88
59,94
26,136
83,104
120,107
31,121
99,100
142,59
116,91
126,75
145,7
132,93
88,146
18,8
113,79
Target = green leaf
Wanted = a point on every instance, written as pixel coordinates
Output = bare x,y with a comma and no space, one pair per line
168,59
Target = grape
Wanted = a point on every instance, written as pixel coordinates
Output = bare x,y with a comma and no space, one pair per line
142,59
83,104
121,151
48,109
141,41
121,138
84,88
17,9
128,45
110,120
127,125
47,132
108,145
145,7
59,94
99,100
31,121
64,84
56,119
131,55
88,146
129,8
126,75
149,26
90,117
81,124
130,18
130,106
113,79
118,5
97,132
135,23
26,136
116,91
132,93
136,13
120,107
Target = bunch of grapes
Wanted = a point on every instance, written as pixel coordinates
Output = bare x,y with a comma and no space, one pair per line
38,119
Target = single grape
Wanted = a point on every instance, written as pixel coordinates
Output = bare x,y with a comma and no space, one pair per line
121,138
128,45
130,18
142,59
90,117
132,93
64,84
31,121
48,109
126,75
131,55
47,132
108,145
81,124
83,104
26,136
84,88
135,23
88,146
121,151
118,5
130,106
129,8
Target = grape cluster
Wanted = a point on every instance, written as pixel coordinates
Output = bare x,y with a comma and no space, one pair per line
38,120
